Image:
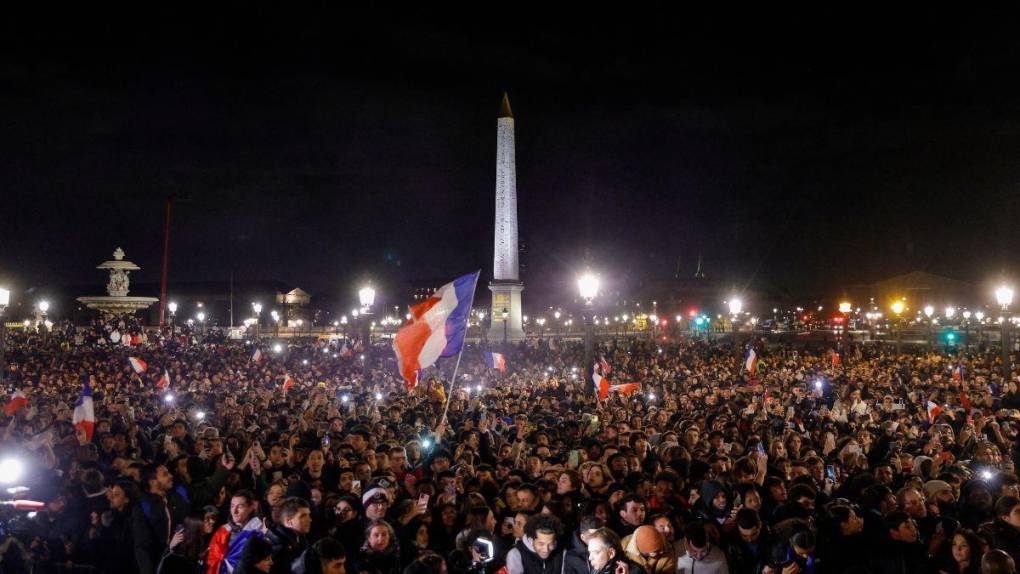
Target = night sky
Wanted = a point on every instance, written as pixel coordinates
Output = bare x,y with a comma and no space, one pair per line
797,152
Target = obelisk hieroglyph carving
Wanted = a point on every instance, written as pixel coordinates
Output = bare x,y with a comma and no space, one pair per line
506,285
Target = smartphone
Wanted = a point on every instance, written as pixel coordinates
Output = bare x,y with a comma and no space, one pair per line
423,499
451,490
325,440
356,485
574,459
761,449
830,472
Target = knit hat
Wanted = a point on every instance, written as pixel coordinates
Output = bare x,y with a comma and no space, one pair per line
649,540
933,487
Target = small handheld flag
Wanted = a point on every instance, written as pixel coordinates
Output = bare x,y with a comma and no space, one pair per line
751,360
17,402
933,410
835,359
495,361
139,366
256,356
164,380
84,415
288,383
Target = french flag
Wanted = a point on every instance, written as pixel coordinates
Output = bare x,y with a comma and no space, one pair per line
751,361
18,401
933,410
958,373
288,383
835,359
256,356
495,361
138,365
605,366
436,328
164,380
84,415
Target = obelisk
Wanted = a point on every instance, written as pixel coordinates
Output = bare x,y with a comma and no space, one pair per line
506,285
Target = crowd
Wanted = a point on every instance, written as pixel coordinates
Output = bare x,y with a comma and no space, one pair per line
872,463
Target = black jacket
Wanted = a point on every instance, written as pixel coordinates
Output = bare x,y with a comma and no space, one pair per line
898,558
1002,536
153,520
287,547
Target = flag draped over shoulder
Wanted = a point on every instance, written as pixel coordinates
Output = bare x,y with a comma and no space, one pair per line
598,374
436,328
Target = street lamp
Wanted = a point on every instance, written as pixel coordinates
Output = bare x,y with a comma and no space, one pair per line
928,312
172,306
257,307
366,296
5,299
276,319
201,320
845,308
44,306
541,326
506,316
897,308
588,287
1004,296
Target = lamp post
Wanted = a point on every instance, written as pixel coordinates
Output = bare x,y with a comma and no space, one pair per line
897,308
1004,295
505,315
44,306
845,308
172,306
588,286
201,321
276,320
5,299
541,326
367,297
966,330
257,307
735,306
928,312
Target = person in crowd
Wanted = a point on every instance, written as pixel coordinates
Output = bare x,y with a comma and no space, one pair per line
700,554
537,552
289,538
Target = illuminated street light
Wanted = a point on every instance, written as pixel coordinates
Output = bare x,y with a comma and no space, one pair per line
1004,295
367,296
950,311
845,307
929,311
735,305
897,307
588,286
44,305
172,306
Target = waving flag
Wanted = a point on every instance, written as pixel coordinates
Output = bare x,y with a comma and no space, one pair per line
605,366
84,414
256,356
751,360
164,380
138,365
17,402
495,361
436,328
288,383
958,373
933,411
835,359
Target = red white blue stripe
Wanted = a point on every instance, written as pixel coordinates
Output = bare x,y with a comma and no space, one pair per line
436,328
84,413
751,360
495,361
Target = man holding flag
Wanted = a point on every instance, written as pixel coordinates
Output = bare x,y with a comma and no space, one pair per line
495,361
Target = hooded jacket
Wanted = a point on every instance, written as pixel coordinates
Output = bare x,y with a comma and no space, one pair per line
665,564
713,563
522,559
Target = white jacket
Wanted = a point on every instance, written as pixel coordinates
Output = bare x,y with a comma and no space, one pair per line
713,563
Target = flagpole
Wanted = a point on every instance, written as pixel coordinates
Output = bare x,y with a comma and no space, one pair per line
456,366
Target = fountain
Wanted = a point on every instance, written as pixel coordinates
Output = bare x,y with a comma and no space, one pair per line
118,302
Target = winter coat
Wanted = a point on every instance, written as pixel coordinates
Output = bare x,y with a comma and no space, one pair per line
713,563
665,564
522,559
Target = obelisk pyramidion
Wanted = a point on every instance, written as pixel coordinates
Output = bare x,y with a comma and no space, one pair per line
506,285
